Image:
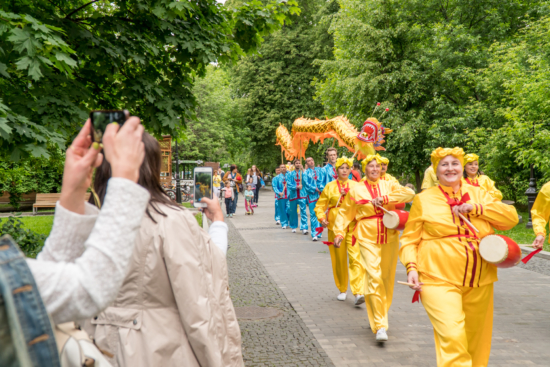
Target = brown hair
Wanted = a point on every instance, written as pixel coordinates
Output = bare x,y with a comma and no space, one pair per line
330,150
149,177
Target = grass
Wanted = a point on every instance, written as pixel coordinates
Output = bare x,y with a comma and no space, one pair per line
39,224
187,205
522,235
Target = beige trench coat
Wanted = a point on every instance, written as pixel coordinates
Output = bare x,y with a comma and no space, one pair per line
174,307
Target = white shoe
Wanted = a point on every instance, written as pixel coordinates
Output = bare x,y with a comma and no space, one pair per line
381,335
304,231
341,297
283,227
314,239
294,230
278,223
359,299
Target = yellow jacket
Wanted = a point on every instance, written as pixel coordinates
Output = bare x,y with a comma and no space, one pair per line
329,198
386,177
369,219
428,245
430,178
486,184
541,210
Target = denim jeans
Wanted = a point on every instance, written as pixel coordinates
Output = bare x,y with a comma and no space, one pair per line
228,205
26,334
234,204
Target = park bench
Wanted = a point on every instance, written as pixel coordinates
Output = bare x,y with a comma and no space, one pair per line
49,200
29,198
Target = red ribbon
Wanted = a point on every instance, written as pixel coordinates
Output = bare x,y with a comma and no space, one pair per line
416,297
319,231
528,257
328,243
454,202
362,202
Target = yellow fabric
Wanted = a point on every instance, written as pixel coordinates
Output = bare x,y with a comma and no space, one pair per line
440,153
329,198
385,177
216,180
469,158
430,178
462,319
339,260
384,159
486,184
427,247
380,262
369,159
541,210
342,160
357,270
290,168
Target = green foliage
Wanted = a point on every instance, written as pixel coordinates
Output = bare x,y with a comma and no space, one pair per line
60,59
421,59
275,86
29,241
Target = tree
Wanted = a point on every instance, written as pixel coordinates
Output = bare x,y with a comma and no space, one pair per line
419,58
60,59
275,85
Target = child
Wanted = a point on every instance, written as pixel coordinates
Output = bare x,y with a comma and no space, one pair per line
248,196
228,195
250,181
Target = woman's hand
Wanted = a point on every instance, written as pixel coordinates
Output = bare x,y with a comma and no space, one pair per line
464,208
324,223
378,201
124,148
80,160
539,242
338,241
412,278
213,211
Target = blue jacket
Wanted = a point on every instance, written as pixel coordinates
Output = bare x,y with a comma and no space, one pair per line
329,171
313,181
293,181
278,185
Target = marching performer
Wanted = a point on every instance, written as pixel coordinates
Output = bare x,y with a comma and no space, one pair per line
313,183
384,176
441,254
540,212
327,208
277,217
378,245
297,198
329,171
281,191
472,176
430,178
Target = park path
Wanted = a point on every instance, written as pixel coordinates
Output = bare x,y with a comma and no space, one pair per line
302,271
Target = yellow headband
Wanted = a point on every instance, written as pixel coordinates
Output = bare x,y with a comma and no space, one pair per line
469,158
384,160
341,161
369,159
440,153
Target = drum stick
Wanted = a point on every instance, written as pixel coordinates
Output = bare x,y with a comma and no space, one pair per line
384,209
468,222
338,203
405,283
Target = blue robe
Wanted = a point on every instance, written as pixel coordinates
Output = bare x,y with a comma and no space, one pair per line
314,185
297,197
278,185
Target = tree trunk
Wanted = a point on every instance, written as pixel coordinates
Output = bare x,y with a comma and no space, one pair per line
418,181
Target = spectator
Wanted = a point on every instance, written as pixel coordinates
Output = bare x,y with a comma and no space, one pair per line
173,308
249,197
236,181
356,172
216,181
250,181
257,178
228,196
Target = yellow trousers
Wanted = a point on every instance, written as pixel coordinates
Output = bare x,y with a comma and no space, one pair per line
462,318
357,270
380,262
339,259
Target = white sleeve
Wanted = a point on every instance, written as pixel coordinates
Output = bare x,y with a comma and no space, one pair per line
69,232
218,233
81,289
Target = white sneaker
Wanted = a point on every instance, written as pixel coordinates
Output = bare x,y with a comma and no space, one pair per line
359,299
278,223
314,239
283,227
304,231
381,335
341,297
294,230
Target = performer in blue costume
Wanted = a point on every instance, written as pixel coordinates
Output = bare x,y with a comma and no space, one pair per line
314,185
329,171
277,217
280,187
297,197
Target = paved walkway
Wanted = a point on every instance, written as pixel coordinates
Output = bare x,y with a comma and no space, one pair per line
302,271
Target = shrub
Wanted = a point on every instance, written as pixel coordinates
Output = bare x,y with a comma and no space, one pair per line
29,241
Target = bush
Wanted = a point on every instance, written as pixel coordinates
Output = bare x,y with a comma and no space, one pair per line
29,241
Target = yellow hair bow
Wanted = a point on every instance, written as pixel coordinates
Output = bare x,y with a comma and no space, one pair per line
469,158
369,159
341,161
440,153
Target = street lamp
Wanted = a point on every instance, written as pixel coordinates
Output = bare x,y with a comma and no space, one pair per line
531,194
178,188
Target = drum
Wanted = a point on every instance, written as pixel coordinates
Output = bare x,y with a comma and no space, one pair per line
501,251
395,219
400,206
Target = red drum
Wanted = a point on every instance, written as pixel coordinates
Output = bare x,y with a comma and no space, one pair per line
395,219
501,251
400,206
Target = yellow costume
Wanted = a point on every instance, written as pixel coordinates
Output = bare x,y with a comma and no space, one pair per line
541,210
458,284
378,244
481,180
430,178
